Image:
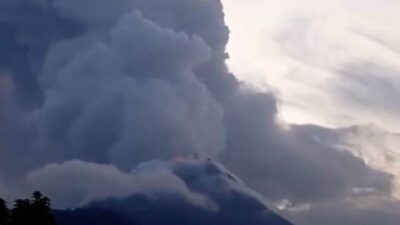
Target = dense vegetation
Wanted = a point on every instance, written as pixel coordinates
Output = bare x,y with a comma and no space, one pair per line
35,210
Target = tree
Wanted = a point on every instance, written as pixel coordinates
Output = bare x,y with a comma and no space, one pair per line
4,213
21,213
41,208
32,211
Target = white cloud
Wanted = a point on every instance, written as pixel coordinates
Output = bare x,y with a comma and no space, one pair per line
299,48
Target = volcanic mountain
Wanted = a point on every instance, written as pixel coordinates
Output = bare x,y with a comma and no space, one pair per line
218,198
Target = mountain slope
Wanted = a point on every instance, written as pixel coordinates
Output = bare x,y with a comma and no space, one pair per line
222,199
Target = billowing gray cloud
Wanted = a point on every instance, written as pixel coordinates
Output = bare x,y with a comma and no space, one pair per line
351,211
146,80
327,171
156,100
76,183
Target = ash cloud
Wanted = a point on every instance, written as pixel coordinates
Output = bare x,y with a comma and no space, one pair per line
156,100
76,183
115,84
371,210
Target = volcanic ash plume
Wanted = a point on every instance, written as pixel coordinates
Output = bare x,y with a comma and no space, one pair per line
94,88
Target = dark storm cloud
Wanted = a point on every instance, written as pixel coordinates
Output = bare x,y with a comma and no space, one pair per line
130,81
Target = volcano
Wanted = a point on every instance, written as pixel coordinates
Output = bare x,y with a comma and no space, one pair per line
222,199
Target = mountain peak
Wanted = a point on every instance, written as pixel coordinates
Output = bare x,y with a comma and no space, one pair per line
229,200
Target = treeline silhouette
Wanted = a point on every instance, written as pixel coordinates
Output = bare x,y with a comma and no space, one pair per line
35,210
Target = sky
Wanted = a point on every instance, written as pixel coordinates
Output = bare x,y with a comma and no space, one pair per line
122,90
316,55
332,63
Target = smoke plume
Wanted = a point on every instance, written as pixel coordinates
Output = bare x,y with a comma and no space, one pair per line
92,88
